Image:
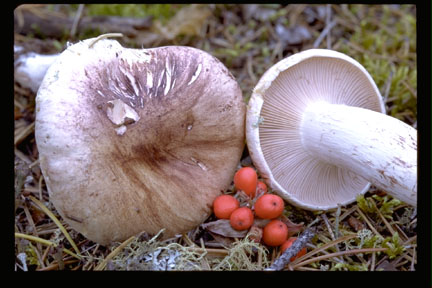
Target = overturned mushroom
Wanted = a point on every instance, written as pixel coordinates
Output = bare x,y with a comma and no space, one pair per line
30,68
317,131
137,140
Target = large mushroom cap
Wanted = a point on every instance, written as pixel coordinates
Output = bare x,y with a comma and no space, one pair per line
137,140
274,116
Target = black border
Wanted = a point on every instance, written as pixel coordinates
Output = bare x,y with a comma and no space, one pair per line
420,278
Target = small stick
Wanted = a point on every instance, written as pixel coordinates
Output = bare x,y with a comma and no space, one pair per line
33,226
56,221
332,234
204,262
389,227
413,260
56,265
40,186
387,87
368,222
108,35
77,19
338,212
347,213
326,221
348,252
324,33
45,242
328,19
373,261
24,133
301,242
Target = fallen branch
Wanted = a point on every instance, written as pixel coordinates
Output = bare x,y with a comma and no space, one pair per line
292,251
31,20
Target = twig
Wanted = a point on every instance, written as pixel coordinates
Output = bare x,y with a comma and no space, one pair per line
413,260
77,19
388,85
347,213
250,69
24,133
348,252
209,251
34,238
413,92
33,226
324,247
54,26
372,268
389,227
34,163
336,223
56,221
204,263
324,33
328,19
372,54
40,186
326,221
368,222
332,235
188,240
103,36
22,156
45,242
56,265
292,251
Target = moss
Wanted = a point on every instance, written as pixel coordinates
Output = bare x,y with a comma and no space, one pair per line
394,245
160,11
349,267
243,256
32,258
381,37
365,204
385,44
387,205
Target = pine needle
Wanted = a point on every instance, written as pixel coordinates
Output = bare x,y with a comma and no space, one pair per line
116,251
45,242
56,221
354,251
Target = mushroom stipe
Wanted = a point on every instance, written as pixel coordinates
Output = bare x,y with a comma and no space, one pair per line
322,135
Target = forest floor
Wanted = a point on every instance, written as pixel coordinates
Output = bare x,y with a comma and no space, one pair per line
377,232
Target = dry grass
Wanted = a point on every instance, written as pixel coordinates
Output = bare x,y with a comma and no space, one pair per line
375,233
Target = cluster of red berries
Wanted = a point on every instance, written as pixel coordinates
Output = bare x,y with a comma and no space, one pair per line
265,206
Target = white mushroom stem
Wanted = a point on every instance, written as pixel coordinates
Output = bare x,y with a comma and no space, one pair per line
30,69
373,145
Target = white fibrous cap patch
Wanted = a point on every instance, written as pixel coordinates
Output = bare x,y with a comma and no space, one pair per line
121,130
121,115
196,74
168,77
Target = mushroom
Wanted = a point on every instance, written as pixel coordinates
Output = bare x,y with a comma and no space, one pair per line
30,68
134,140
317,132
